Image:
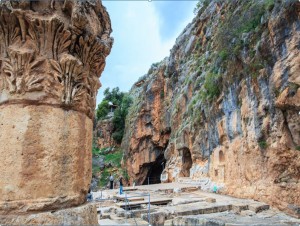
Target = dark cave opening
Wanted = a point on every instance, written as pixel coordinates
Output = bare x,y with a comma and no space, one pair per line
155,171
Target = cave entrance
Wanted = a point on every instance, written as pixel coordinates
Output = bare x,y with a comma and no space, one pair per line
155,171
186,162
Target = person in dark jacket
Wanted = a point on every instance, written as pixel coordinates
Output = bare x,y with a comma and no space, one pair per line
111,181
89,196
121,185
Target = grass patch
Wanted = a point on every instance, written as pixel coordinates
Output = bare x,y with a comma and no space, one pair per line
269,4
298,148
95,151
114,158
211,87
223,55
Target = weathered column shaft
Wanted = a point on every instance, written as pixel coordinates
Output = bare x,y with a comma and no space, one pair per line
51,56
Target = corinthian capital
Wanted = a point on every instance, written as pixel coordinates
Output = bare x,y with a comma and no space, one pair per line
53,52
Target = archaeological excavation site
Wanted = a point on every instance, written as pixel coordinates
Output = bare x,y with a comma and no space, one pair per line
209,135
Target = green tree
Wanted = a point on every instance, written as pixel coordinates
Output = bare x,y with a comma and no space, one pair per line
115,96
103,109
122,101
120,117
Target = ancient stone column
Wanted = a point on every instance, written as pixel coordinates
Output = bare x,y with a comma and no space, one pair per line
51,56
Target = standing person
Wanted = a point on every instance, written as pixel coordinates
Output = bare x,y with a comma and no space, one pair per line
111,181
121,185
89,196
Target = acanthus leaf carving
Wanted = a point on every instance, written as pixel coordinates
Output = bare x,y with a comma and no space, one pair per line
46,57
10,31
50,36
16,70
92,53
70,74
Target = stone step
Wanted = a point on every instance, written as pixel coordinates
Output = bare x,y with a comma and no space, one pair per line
131,221
257,207
198,208
129,189
123,197
156,201
107,222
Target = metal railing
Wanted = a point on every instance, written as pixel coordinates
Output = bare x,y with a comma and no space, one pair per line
136,195
127,203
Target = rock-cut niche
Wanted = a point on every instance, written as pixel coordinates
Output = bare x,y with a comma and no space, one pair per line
186,163
221,157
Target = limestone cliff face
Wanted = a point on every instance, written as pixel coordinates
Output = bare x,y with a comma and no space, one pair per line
103,133
224,106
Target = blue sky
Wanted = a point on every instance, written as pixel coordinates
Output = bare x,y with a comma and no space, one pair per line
144,32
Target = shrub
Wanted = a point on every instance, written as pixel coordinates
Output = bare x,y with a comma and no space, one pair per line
115,96
200,5
263,144
162,94
120,118
102,110
269,4
123,102
114,158
298,148
211,87
223,55
95,151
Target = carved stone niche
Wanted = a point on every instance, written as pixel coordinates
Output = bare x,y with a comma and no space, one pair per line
52,54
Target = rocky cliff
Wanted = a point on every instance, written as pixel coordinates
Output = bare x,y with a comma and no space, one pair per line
103,133
224,106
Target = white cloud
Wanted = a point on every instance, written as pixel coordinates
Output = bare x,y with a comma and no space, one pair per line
137,45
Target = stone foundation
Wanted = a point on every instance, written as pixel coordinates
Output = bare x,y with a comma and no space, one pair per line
81,215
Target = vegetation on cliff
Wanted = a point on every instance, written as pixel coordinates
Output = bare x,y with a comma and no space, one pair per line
225,104
110,124
107,161
120,102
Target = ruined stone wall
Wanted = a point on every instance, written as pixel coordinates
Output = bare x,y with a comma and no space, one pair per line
51,56
223,108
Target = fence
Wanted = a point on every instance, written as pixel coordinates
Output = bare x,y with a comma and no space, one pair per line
127,202
136,195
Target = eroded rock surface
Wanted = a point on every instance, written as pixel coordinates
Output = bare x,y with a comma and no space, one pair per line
225,104
81,215
51,56
103,133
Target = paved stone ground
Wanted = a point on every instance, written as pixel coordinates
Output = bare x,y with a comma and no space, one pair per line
188,206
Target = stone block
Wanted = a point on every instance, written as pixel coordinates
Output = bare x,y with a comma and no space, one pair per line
257,207
81,215
239,207
210,200
156,218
